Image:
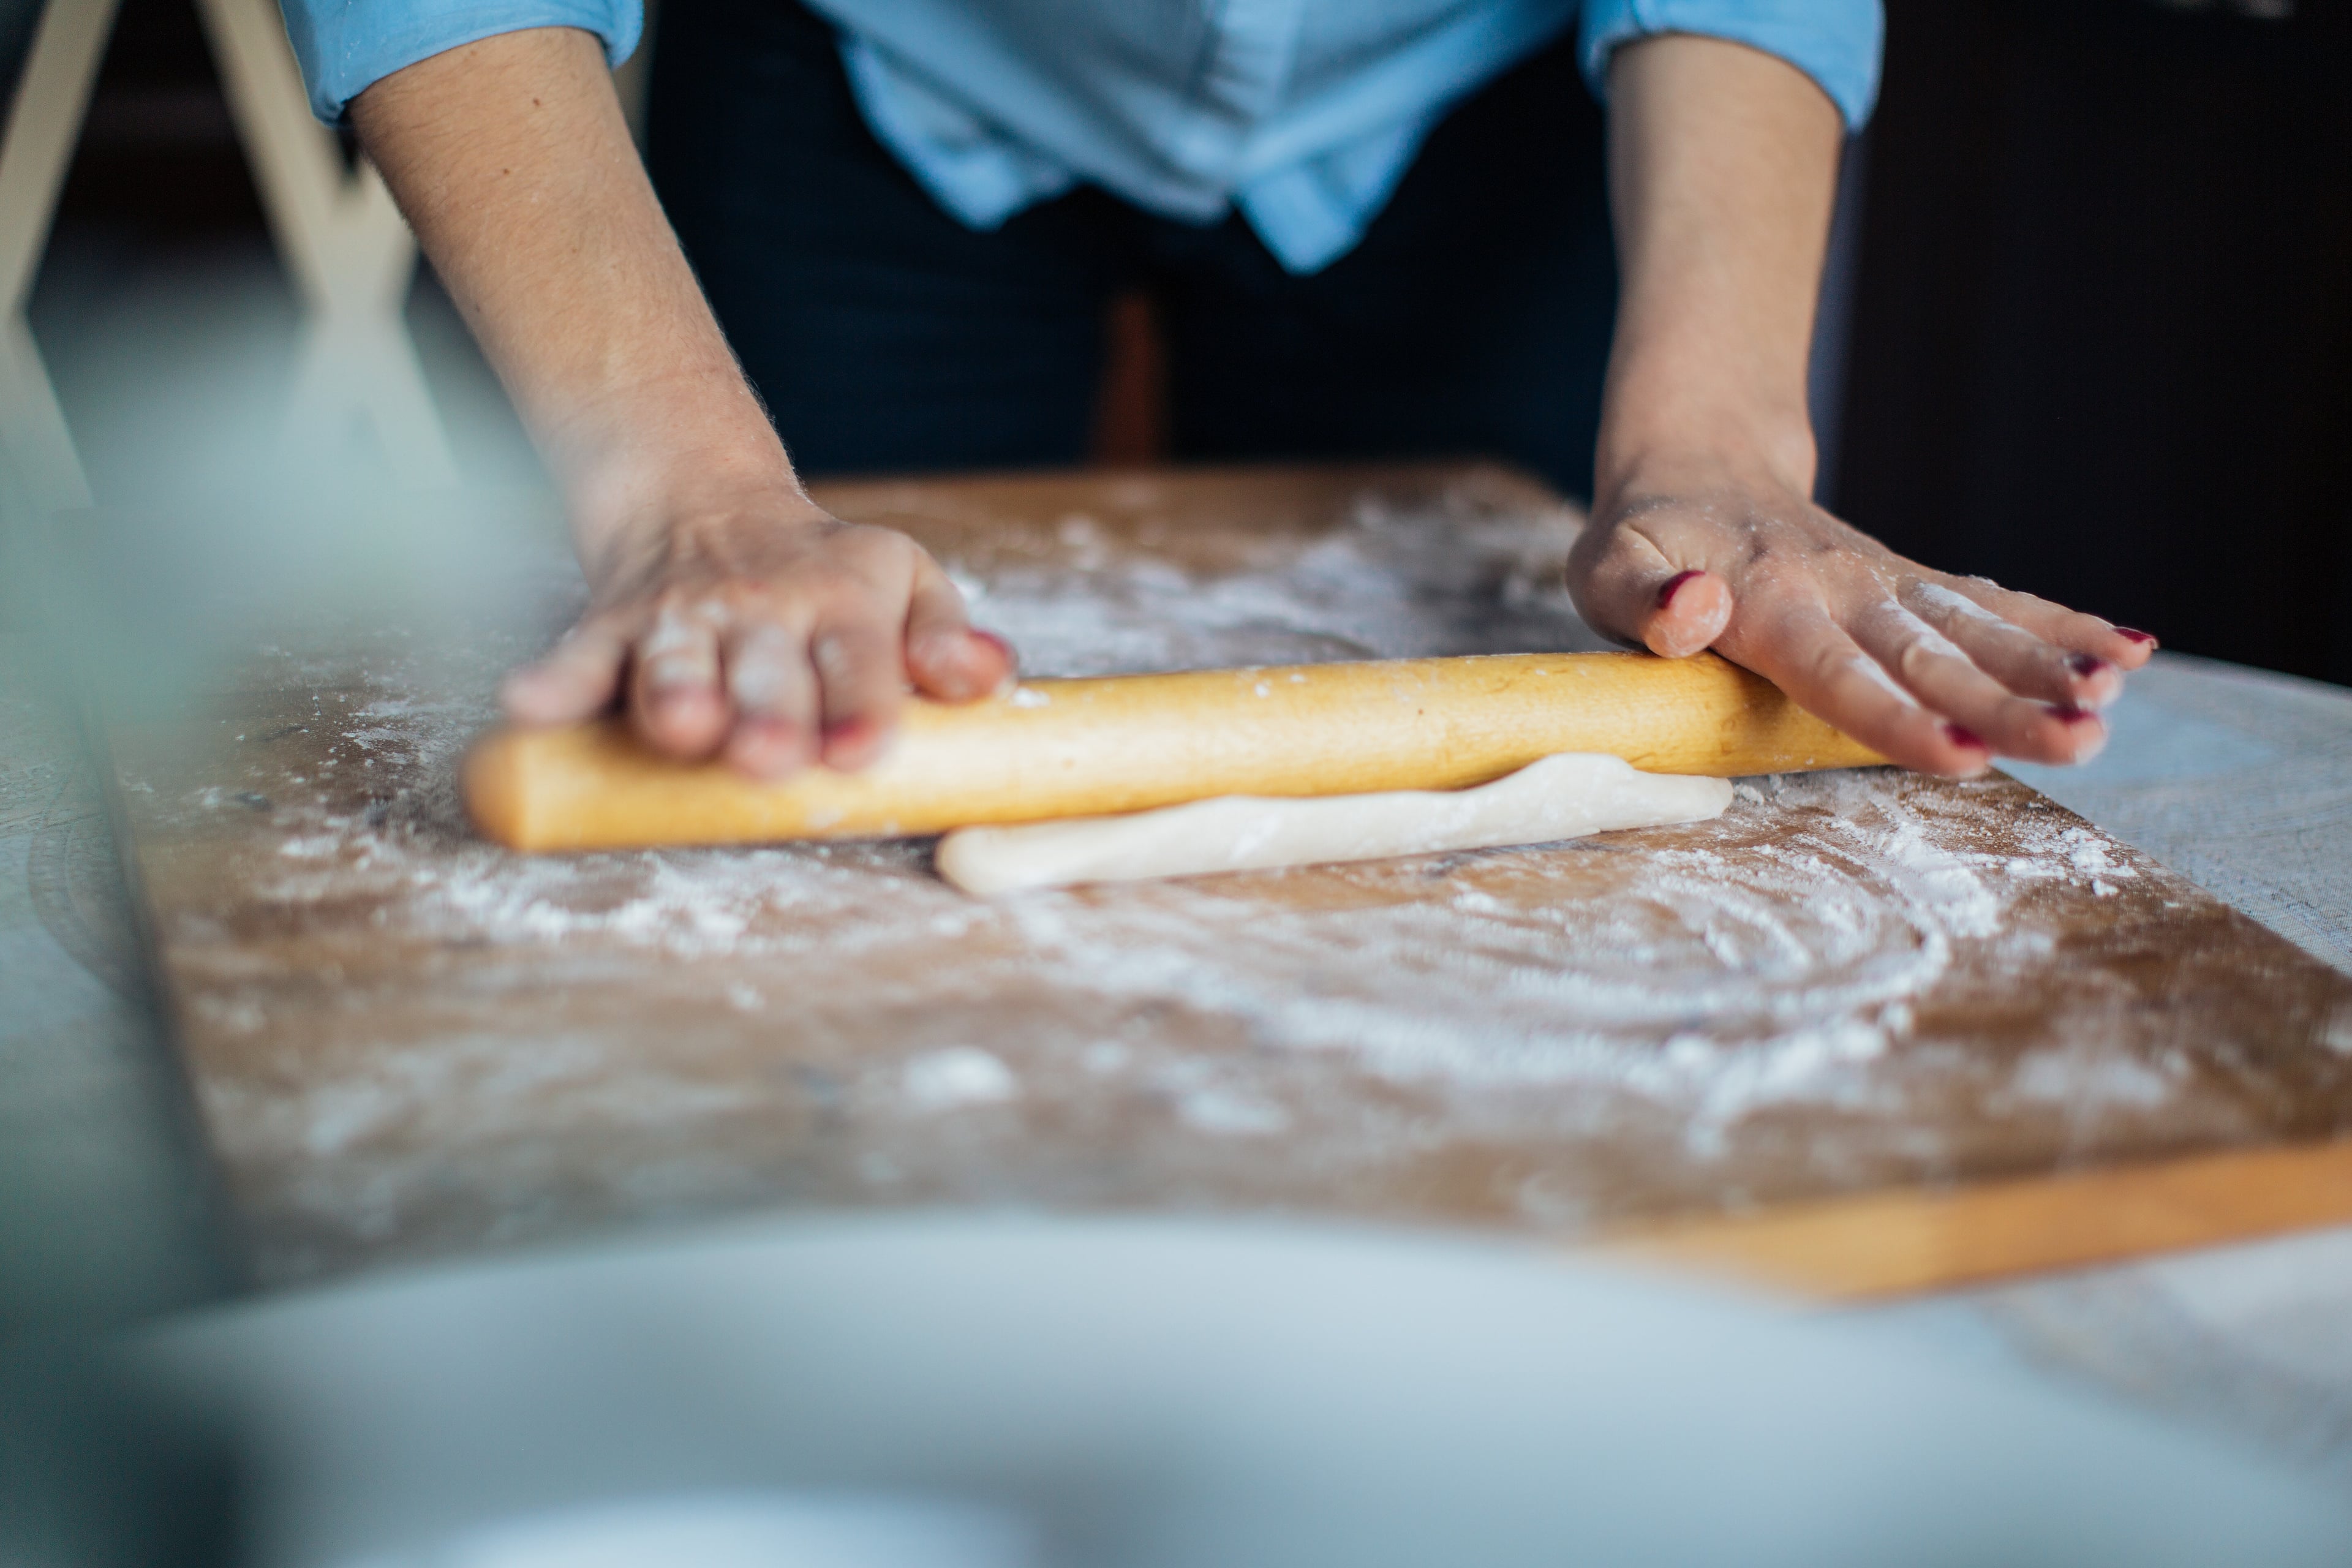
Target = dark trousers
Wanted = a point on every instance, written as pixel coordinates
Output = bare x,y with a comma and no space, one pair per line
885,336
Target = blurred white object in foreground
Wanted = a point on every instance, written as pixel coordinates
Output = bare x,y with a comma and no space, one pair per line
1166,1392
745,1530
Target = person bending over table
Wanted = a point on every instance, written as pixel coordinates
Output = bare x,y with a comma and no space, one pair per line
1375,229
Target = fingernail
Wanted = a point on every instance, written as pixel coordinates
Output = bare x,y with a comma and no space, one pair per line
861,740
1674,585
1959,737
1012,676
831,659
2085,665
2070,712
2143,639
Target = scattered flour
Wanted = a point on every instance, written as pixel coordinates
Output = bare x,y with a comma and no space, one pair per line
1945,602
1690,980
1232,1114
2338,1034
1716,971
1473,581
961,1075
2084,1081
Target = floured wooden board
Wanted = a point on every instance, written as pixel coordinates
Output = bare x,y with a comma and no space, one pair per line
1854,987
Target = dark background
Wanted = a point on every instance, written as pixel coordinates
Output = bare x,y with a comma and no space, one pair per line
2098,330
2102,331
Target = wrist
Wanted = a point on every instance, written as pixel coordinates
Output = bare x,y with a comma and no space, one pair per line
671,454
1651,443
714,502
600,430
703,525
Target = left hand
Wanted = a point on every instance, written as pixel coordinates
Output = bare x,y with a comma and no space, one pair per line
1937,672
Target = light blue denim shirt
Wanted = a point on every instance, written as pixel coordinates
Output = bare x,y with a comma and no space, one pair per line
1304,114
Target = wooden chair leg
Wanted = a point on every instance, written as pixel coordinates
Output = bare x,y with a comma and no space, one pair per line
43,123
349,250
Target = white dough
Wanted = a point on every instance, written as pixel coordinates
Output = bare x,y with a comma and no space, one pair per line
1565,797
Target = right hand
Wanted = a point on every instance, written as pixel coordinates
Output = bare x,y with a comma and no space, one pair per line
763,629
728,615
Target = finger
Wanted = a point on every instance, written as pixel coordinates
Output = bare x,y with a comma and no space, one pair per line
2072,630
2026,664
1944,679
774,696
1635,590
945,656
1689,611
861,677
1808,656
674,696
578,678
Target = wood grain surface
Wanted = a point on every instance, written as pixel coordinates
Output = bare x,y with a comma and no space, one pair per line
1930,1031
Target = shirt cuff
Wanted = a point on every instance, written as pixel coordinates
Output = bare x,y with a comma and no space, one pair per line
346,46
1836,42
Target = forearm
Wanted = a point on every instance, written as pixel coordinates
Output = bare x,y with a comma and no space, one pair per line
1723,164
1723,167
512,162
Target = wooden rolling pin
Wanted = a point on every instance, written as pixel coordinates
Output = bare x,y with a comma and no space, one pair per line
1086,748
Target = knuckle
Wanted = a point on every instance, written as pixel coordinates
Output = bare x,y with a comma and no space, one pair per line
1770,597
786,603
671,638
832,592
882,550
734,598
679,602
938,611
1916,658
848,660
1826,662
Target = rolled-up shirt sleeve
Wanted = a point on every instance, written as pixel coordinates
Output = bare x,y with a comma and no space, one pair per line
344,45
1836,42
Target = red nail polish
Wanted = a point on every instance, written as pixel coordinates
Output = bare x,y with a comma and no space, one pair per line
2069,712
1674,585
1959,737
2085,665
2141,637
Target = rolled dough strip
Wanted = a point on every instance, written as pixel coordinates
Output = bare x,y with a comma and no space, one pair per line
1566,796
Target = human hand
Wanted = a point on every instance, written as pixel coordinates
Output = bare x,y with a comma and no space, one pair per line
759,628
728,614
1937,672
1723,166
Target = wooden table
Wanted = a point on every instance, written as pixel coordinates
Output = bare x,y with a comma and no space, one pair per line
1867,1033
